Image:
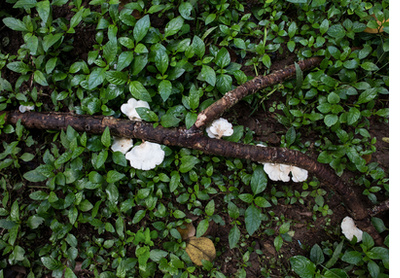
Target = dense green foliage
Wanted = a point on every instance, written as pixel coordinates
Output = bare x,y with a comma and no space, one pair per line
67,198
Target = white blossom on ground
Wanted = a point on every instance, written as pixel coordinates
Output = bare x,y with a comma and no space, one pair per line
219,128
122,145
25,108
129,108
349,229
146,156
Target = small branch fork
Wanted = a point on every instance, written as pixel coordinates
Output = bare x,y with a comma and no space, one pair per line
194,138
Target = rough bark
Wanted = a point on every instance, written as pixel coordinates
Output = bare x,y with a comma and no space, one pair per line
250,87
185,138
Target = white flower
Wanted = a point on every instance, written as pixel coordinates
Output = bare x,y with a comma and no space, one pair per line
25,108
349,229
219,128
129,109
146,156
122,145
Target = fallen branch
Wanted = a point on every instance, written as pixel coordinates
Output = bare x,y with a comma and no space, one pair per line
250,87
184,138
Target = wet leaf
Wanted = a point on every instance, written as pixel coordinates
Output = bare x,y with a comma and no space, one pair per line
201,248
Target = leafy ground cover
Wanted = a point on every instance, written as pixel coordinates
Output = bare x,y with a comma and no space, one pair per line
72,207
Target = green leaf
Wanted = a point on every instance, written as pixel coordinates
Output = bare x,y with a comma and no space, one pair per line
330,120
210,208
262,202
258,180
27,4
106,138
124,60
252,219
161,58
317,255
224,83
202,227
146,114
208,75
190,119
234,236
336,31
15,24
333,98
138,216
278,242
142,26
303,266
324,26
165,89
101,159
290,136
51,263
185,10
292,29
110,50
127,42
174,26
39,78
353,115
117,77
138,91
198,47
210,18
373,269
85,205
187,163
19,67
139,63
352,257
14,212
297,1
335,255
119,227
43,9
35,221
367,95
369,66
223,58
34,176
367,241
96,77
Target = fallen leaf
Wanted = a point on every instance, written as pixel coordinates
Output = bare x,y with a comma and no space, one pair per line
200,248
376,30
186,231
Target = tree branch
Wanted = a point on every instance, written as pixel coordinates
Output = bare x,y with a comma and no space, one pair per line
250,87
184,138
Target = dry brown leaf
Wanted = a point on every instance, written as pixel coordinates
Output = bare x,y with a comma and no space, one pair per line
376,30
200,248
186,231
